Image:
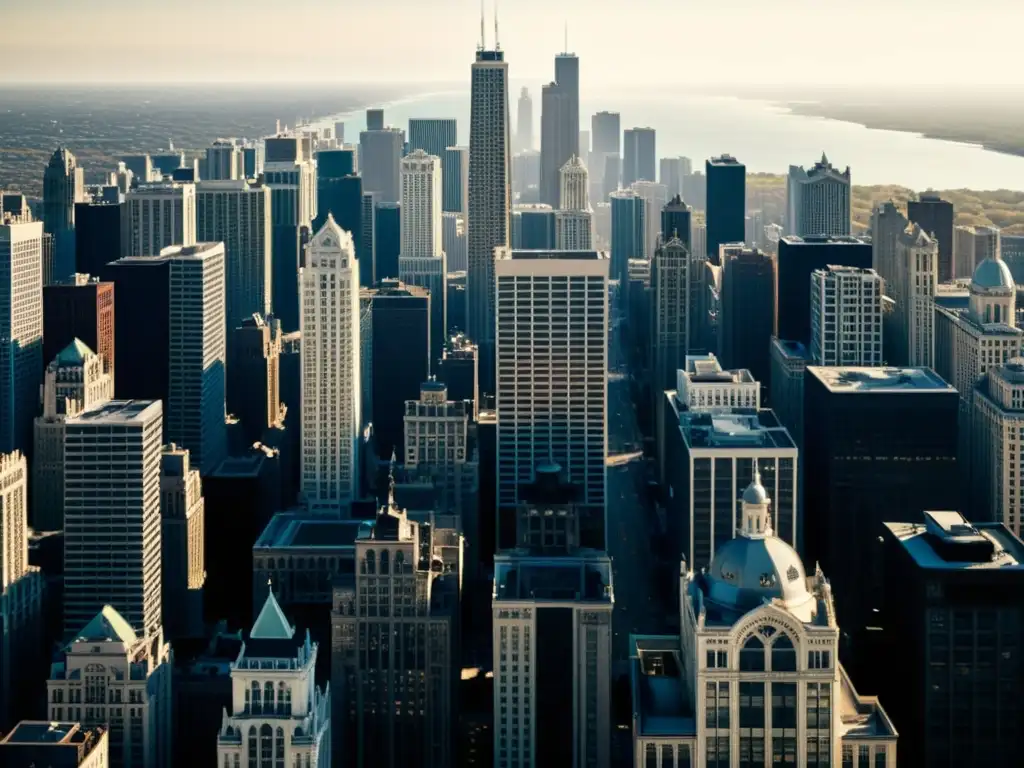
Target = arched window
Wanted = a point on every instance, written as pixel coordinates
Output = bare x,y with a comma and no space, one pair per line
253,749
279,748
288,700
266,745
227,760
384,563
268,698
256,708
281,691
783,655
371,565
399,562
752,655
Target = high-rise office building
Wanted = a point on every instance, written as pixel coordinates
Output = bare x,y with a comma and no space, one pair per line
912,287
253,159
629,231
677,287
552,366
131,696
606,133
160,215
798,258
197,378
331,411
639,156
489,198
573,218
224,161
459,371
183,572
997,417
453,242
80,308
140,167
879,445
75,380
935,217
339,192
33,742
655,199
973,245
533,226
757,663
433,135
789,361
165,165
958,581
368,240
846,316
748,311
254,376
672,171
726,203
291,176
237,213
675,222
101,235
112,482
887,226
524,121
21,330
375,119
63,186
552,641
417,602
380,152
455,180
818,200
387,239
422,258
559,125
276,706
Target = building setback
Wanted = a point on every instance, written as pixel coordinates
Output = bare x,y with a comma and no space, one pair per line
160,215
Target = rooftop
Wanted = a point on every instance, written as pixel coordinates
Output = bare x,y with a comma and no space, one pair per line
546,254
298,529
107,626
794,240
660,702
871,379
948,541
74,354
707,369
199,250
120,412
583,576
792,348
734,428
45,732
860,716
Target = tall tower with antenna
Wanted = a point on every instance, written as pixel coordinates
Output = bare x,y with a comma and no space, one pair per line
489,193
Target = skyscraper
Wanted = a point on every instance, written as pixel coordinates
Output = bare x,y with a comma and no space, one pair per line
160,215
533,226
726,203
415,602
606,133
331,424
101,235
560,125
655,199
672,171
639,156
112,483
81,308
846,316
748,311
21,330
387,239
183,572
339,192
75,381
453,241
675,221
422,259
818,200
433,135
380,153
254,376
63,186
629,231
375,119
524,121
237,213
573,219
677,287
224,161
368,220
198,353
558,356
489,197
912,287
455,180
935,216
996,418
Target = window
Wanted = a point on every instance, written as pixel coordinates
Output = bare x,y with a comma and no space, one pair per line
716,704
819,660
752,655
256,698
783,655
880,758
847,756
266,745
253,754
717,660
279,748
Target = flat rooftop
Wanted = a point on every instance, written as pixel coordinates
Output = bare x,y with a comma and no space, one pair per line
734,428
298,529
825,240
660,703
522,254
120,412
855,379
585,576
947,541
861,716
45,732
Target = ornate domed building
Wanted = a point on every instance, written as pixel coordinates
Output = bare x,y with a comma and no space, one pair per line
754,675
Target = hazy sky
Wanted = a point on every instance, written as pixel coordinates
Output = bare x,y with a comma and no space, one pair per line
664,42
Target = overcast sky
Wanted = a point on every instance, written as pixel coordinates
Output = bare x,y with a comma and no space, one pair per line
661,42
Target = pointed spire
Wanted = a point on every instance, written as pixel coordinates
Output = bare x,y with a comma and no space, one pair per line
497,45
391,480
481,46
566,43
824,158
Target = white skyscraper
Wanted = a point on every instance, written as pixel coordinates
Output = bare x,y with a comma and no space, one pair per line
818,200
552,323
489,197
160,215
846,316
21,328
237,213
112,514
422,258
573,220
331,414
282,718
912,287
997,421
74,381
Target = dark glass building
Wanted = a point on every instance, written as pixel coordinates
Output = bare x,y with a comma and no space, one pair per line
101,236
675,221
935,216
254,377
880,445
533,227
459,372
952,597
342,197
747,311
334,164
433,136
83,309
388,241
401,357
368,266
726,203
455,301
798,258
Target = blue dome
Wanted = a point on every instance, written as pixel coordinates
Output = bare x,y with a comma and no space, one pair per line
993,274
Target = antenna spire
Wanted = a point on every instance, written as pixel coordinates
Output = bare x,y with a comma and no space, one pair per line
497,45
566,49
481,47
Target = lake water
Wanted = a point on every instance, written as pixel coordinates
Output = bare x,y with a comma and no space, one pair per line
764,136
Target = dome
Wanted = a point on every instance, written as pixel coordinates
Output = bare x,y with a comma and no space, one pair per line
747,571
755,493
993,274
